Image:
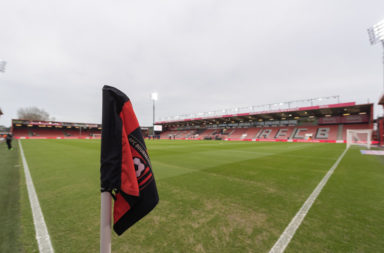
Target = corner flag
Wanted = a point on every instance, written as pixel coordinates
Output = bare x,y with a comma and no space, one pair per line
126,171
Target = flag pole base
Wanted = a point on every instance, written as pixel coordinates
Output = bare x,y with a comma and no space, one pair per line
105,222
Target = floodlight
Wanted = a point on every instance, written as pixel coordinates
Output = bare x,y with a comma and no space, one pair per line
376,33
155,96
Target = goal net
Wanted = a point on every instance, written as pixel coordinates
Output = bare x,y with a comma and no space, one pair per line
361,137
96,136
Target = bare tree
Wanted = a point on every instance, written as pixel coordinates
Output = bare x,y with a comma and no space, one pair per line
32,113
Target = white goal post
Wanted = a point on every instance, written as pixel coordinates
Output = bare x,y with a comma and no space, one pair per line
360,137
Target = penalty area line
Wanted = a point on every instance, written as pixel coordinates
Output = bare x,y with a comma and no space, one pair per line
285,238
42,236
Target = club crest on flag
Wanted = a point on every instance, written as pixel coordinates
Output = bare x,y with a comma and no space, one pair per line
139,166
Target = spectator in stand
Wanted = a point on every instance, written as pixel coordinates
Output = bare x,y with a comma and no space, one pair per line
8,139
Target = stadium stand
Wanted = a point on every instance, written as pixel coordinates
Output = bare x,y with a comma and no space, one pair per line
380,124
53,129
327,123
22,132
326,132
315,123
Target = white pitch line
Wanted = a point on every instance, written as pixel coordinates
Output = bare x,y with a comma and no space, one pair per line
290,230
42,236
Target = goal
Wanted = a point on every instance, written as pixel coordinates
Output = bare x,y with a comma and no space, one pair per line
360,137
96,136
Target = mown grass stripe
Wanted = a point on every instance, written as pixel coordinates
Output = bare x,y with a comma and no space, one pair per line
212,199
290,230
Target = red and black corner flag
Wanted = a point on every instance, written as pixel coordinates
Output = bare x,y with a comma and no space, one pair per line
125,166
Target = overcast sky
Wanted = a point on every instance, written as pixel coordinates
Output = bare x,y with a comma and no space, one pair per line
199,55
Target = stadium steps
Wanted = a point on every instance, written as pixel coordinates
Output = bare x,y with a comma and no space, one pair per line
340,132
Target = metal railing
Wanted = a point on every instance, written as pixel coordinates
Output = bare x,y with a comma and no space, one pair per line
289,105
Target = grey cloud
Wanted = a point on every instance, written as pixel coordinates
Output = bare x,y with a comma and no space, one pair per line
198,55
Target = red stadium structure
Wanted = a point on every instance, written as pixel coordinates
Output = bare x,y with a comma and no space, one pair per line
380,124
31,129
321,123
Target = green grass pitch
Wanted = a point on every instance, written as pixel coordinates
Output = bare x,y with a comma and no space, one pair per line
215,196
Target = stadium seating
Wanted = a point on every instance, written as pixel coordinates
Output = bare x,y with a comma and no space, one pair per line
321,132
182,134
238,133
207,133
268,133
72,132
284,133
168,134
53,132
332,132
252,132
46,132
305,132
18,132
37,132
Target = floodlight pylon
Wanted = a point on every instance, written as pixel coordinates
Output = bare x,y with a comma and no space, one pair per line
154,97
376,35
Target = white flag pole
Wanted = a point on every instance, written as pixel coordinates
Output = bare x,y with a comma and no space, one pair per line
105,222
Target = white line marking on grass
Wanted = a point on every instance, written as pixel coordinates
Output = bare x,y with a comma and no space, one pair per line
42,236
290,230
